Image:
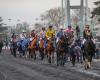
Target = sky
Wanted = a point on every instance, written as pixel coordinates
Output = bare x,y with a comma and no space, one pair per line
29,10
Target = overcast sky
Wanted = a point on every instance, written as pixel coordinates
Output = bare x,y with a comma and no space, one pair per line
29,10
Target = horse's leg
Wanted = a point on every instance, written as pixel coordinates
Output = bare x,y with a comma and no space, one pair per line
61,58
34,54
14,52
46,53
57,55
86,63
70,57
29,53
42,54
23,53
11,51
77,57
49,56
81,58
39,52
64,58
89,64
90,61
52,57
58,58
73,60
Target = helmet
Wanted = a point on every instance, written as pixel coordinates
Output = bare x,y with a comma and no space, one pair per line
61,27
50,26
69,26
43,28
87,26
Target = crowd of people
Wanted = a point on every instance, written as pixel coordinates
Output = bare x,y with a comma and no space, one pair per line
61,43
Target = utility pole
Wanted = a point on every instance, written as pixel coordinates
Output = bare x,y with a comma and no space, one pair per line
86,12
62,5
81,17
68,14
67,3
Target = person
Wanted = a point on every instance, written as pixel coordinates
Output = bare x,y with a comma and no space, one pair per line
78,52
23,35
42,36
72,53
77,32
69,31
60,33
1,45
13,37
50,35
87,33
13,44
23,43
50,32
43,33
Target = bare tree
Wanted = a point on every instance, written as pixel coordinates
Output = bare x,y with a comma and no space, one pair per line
54,16
38,27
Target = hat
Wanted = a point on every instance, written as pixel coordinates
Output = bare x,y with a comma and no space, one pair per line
69,26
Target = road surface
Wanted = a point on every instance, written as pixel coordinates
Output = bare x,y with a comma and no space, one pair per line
24,69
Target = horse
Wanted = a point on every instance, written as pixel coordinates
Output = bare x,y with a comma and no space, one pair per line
50,50
41,48
62,50
89,51
32,48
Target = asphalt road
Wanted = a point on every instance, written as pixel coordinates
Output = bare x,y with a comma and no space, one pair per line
24,69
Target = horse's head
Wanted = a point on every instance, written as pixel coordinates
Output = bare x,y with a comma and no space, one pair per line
62,38
89,45
50,42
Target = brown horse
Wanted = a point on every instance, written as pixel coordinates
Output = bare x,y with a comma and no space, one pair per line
61,50
32,48
50,51
41,48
